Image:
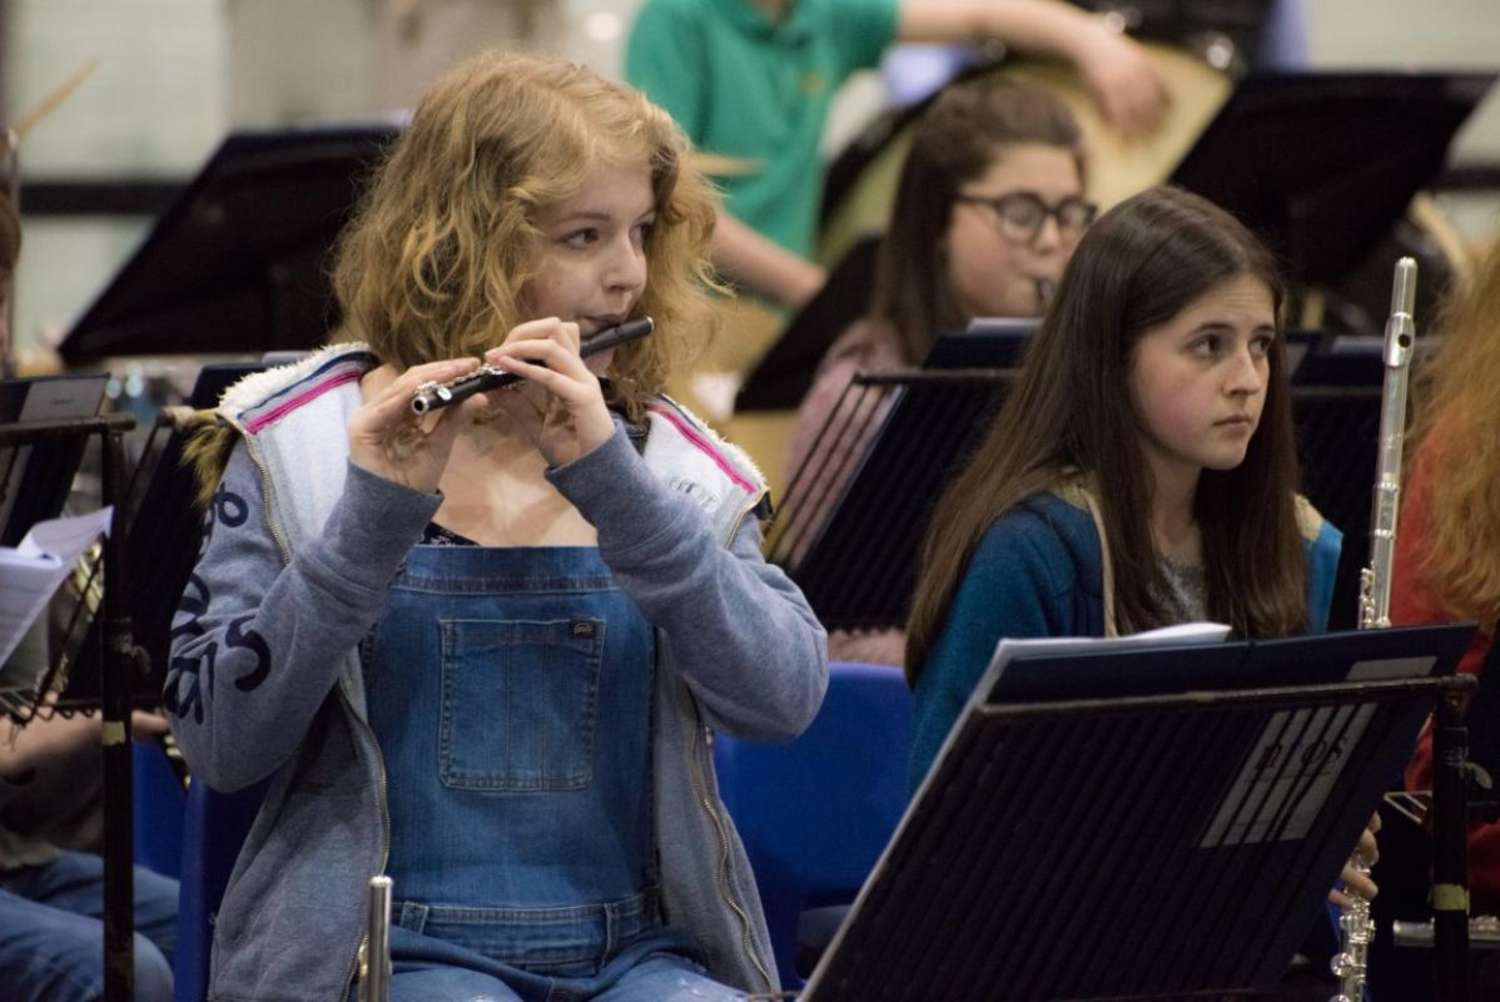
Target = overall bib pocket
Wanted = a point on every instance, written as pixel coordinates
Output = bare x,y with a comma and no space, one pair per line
519,704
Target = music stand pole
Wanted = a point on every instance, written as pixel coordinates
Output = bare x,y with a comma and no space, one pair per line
1450,831
117,668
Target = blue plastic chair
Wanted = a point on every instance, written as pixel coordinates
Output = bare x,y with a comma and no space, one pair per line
156,807
816,813
214,828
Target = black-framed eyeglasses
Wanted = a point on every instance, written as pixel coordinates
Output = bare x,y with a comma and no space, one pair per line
1022,214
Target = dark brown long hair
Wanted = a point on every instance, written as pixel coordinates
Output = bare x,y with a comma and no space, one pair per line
954,142
1136,268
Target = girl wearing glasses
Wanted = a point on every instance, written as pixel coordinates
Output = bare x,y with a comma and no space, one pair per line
988,209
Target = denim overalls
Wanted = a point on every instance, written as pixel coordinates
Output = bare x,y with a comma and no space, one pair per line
510,691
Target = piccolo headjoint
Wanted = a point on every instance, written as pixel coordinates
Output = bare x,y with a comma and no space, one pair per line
431,395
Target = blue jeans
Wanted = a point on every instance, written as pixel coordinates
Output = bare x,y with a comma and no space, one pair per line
52,933
429,971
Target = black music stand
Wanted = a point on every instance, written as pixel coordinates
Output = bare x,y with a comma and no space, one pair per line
1336,397
1000,343
238,263
1162,823
850,526
166,529
1321,165
35,478
785,372
114,700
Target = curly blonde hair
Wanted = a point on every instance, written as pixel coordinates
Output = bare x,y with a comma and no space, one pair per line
1459,436
434,262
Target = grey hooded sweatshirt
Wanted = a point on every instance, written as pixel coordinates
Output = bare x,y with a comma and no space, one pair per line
264,679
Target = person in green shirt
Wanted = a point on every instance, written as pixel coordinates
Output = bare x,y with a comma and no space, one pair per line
752,81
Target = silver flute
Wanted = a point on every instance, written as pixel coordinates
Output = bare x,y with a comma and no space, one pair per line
375,954
1356,926
430,396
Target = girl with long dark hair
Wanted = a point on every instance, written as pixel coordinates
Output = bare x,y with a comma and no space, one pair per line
1142,471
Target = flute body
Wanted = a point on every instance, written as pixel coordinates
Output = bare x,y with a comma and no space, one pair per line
431,396
1356,926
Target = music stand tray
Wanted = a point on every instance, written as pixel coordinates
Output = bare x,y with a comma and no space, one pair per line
1164,823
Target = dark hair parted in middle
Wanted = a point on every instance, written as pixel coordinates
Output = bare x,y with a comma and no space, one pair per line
954,143
1071,410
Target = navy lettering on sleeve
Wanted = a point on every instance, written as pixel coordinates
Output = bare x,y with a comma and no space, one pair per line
183,692
249,639
226,508
185,689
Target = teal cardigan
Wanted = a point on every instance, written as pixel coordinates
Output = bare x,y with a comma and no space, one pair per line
1039,572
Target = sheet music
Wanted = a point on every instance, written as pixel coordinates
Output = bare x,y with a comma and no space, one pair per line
31,573
1182,634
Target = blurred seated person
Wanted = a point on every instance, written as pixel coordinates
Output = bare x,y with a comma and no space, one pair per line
1447,566
52,898
988,209
753,80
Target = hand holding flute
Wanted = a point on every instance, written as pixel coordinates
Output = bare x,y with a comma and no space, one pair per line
559,407
432,395
556,402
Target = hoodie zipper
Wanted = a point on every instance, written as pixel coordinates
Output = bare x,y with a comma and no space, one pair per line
700,781
726,891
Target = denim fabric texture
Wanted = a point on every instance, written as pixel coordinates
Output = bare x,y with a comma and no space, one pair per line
428,970
52,934
510,693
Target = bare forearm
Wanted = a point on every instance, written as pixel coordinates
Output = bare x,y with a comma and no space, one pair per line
749,259
1123,82
1030,25
57,738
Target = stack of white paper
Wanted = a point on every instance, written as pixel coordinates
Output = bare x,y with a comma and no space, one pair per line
31,573
1182,634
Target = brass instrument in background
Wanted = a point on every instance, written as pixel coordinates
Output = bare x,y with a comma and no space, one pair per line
1358,929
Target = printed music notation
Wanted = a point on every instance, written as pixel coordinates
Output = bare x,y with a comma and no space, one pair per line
31,573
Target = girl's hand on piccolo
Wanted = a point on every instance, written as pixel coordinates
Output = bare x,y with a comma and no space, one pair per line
387,439
560,406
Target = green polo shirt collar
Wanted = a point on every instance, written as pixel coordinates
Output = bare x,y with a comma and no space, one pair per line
749,17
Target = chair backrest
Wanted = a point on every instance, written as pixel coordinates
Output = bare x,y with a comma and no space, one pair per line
156,806
214,828
816,813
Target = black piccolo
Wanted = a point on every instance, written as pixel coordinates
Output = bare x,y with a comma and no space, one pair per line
431,396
